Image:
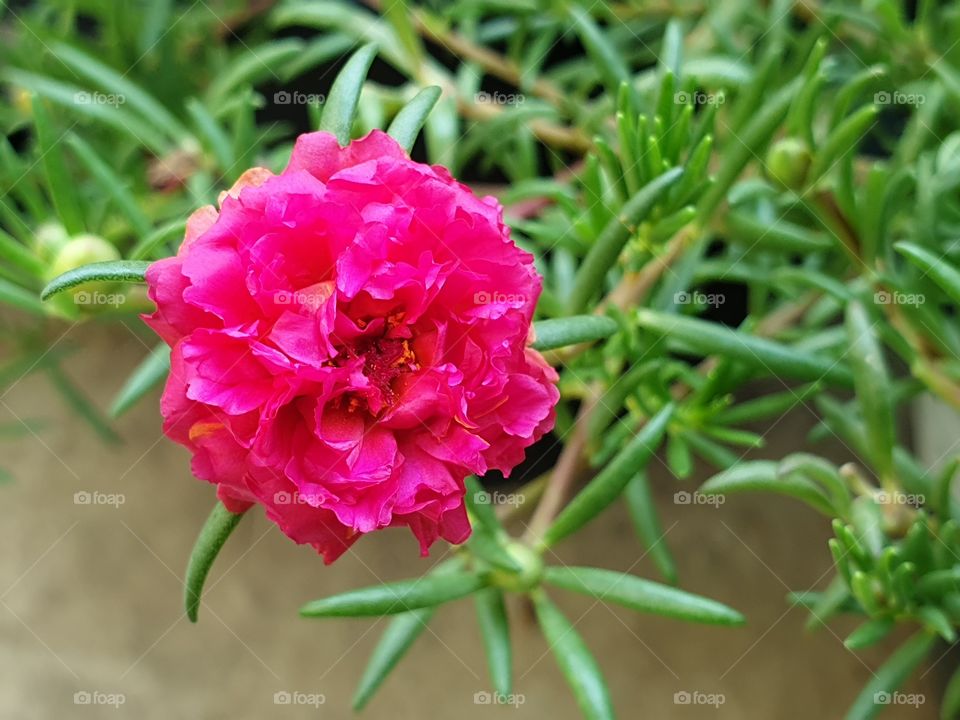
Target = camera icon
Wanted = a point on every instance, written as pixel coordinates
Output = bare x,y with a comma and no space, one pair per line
481,297
81,98
482,697
882,297
881,697
481,498
681,698
281,97
82,497
682,497
82,697
681,298
681,98
83,298
282,497
282,697
881,98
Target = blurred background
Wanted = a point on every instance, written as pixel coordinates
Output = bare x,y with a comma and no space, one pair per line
121,118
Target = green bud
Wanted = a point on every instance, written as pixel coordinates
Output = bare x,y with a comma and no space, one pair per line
138,300
788,162
49,239
92,296
529,575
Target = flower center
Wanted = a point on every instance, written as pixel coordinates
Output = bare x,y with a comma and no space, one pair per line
385,359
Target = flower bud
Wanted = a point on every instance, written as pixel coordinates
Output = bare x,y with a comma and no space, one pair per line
48,239
530,570
89,296
788,162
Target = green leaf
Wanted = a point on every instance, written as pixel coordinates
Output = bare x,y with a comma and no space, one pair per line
841,141
489,548
642,595
113,83
610,482
937,268
760,353
15,253
81,404
779,234
942,487
220,523
575,661
820,471
400,634
396,597
495,630
114,270
146,246
873,389
603,52
16,296
560,332
937,621
604,252
400,17
217,140
251,68
62,190
950,705
766,406
487,541
869,633
114,116
762,476
939,582
751,142
480,505
341,106
111,183
149,373
891,676
823,606
643,514
408,122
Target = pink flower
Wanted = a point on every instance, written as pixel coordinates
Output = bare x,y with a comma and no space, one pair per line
349,341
